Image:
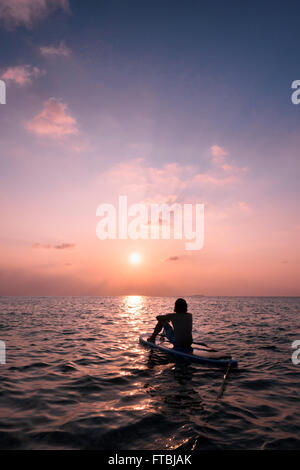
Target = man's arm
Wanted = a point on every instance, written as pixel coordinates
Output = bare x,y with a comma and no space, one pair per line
161,321
164,318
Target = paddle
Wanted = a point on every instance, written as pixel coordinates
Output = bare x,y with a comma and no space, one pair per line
203,344
199,344
223,383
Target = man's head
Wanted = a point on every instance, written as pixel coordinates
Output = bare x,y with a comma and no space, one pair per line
180,306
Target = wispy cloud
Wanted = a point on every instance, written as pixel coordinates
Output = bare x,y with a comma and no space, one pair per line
218,154
169,183
214,180
61,50
14,13
21,75
220,160
222,172
145,183
245,208
61,246
53,121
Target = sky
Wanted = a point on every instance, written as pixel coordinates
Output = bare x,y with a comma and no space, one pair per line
161,101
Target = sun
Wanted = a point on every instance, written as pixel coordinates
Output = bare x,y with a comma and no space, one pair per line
135,258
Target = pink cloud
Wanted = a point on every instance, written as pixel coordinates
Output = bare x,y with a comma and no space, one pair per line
234,169
27,12
56,51
173,258
169,183
218,154
21,74
217,151
227,167
53,121
214,180
145,183
219,161
244,207
60,246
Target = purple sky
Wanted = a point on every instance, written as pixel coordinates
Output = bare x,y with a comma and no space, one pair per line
159,101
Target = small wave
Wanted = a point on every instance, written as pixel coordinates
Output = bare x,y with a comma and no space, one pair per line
288,443
86,384
34,365
65,368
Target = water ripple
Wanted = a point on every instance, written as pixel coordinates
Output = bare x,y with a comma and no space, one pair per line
77,378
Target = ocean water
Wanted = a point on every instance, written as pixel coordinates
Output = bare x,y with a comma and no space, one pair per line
76,376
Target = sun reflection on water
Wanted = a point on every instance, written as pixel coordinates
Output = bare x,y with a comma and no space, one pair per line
134,306
134,303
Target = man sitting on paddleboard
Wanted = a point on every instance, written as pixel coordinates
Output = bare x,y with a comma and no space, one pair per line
181,333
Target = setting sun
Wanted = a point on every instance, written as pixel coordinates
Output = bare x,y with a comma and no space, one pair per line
135,258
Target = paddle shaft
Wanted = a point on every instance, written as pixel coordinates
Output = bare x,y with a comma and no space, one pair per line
224,380
194,342
203,344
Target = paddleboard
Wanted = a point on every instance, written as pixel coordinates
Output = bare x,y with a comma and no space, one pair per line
205,357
